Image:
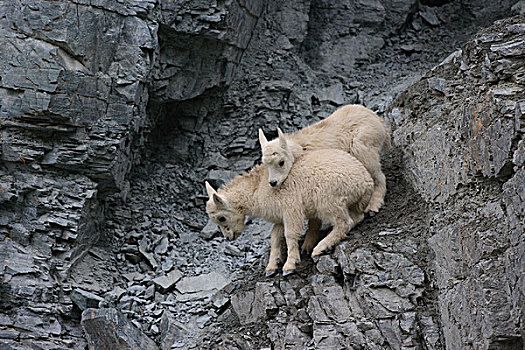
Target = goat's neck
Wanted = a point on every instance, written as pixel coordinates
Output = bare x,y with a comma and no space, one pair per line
295,148
241,196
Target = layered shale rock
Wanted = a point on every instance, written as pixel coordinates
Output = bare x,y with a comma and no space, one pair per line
113,113
461,128
73,91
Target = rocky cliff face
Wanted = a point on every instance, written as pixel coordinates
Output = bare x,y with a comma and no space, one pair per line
461,130
112,114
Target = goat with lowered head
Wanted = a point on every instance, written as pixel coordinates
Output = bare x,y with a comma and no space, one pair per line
324,186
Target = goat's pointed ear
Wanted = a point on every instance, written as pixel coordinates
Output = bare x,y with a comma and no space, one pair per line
218,200
282,139
262,139
210,190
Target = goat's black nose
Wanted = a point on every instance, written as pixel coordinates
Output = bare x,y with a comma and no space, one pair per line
273,183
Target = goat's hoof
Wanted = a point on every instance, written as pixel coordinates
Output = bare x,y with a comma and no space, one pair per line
371,213
307,247
270,273
288,272
278,261
373,208
319,251
315,258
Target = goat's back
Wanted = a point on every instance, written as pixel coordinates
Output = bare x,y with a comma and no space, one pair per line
339,129
327,177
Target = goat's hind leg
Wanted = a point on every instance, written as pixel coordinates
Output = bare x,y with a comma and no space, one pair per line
356,214
378,196
370,158
276,240
312,235
342,223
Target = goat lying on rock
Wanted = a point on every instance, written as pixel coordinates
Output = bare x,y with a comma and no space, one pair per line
352,128
329,186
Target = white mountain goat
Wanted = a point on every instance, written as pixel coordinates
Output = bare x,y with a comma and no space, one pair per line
329,186
352,128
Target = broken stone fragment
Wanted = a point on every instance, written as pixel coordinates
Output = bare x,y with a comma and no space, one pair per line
134,276
162,247
326,265
210,230
114,295
84,299
169,280
232,250
143,249
429,15
201,286
334,93
110,329
170,330
219,300
255,305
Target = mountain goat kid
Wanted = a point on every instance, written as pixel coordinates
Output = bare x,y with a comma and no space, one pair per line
352,128
329,186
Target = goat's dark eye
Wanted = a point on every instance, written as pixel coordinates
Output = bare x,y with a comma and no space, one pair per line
222,219
281,163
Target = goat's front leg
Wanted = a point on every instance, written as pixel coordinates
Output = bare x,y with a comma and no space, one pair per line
293,227
276,240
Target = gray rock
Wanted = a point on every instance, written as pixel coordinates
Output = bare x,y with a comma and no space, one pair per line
326,265
219,300
210,230
144,250
328,305
438,84
137,290
167,281
170,330
288,335
333,94
509,48
218,177
519,8
114,295
467,239
134,276
162,247
150,292
429,15
391,332
9,334
108,328
390,300
84,299
232,250
255,305
206,282
84,85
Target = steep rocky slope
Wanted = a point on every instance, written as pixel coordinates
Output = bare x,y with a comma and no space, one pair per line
461,130
112,115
